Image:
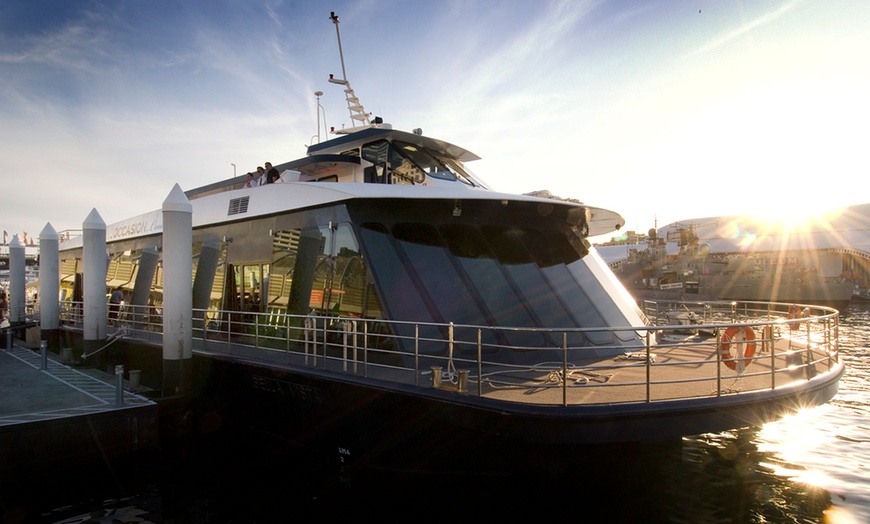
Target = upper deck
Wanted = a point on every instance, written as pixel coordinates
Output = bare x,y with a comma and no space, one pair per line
376,162
375,154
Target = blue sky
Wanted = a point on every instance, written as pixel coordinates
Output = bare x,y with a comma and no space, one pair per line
658,110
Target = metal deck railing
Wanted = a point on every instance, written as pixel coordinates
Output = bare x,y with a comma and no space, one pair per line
690,350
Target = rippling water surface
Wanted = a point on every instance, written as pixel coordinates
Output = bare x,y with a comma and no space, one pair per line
809,467
827,448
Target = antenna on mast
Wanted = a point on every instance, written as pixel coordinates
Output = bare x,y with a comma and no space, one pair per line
356,110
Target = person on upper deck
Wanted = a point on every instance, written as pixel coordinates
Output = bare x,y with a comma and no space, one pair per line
249,180
261,176
272,175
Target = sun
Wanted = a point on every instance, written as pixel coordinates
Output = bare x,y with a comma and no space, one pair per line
791,216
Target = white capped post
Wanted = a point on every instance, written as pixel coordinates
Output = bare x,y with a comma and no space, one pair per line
49,286
94,285
177,294
17,265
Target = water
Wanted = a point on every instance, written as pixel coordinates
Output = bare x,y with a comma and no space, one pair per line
804,468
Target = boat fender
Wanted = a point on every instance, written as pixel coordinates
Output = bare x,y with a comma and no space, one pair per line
794,314
747,342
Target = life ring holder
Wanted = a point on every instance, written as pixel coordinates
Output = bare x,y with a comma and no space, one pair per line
748,344
795,313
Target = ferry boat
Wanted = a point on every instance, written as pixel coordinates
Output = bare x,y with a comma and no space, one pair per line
383,298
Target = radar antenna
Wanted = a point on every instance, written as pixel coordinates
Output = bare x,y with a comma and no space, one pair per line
356,110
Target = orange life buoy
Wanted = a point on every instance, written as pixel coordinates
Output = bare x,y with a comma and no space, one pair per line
747,342
794,313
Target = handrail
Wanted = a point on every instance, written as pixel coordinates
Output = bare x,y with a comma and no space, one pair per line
665,360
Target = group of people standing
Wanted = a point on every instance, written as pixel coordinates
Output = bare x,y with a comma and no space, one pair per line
269,175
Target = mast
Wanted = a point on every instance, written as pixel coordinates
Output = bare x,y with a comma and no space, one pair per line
356,110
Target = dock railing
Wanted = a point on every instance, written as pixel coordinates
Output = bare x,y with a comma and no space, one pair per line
689,350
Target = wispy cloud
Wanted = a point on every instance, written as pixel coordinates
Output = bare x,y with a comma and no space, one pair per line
745,29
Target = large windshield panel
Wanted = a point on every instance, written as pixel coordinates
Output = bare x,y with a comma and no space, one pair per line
514,247
463,174
394,281
401,162
424,161
492,284
447,288
473,269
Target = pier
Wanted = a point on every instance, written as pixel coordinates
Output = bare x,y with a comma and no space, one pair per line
53,415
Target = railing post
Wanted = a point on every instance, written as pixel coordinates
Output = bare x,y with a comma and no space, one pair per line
366,348
648,368
828,341
449,346
285,321
323,345
352,325
811,367
43,353
719,361
229,331
306,326
479,365
564,368
314,333
344,346
417,353
768,334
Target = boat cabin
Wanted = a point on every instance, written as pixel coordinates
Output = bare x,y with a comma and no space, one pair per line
377,154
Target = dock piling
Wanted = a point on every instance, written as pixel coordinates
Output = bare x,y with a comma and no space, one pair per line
49,287
95,262
177,294
16,282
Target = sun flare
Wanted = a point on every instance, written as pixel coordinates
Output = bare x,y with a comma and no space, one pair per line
790,218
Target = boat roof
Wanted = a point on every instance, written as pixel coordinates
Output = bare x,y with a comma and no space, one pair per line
278,198
384,131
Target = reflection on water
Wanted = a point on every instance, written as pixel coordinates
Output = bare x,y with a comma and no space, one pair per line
733,481
803,468
827,447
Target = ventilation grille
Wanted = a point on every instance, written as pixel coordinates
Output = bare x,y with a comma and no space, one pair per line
238,205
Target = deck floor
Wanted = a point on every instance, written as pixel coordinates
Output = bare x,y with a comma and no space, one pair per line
679,370
676,372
